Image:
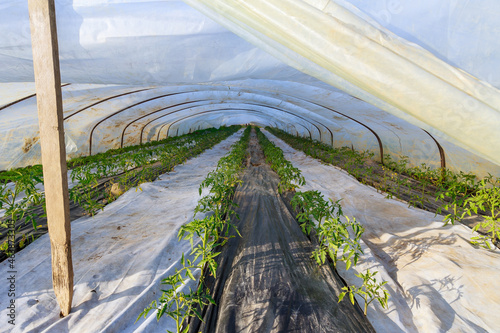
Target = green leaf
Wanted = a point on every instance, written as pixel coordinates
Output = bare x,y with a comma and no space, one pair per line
189,274
351,297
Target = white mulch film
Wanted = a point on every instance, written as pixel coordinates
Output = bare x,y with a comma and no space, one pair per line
438,281
119,258
71,183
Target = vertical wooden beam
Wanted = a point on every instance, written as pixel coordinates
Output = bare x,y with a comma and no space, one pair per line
50,118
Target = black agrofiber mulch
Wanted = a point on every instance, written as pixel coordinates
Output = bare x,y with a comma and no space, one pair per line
266,280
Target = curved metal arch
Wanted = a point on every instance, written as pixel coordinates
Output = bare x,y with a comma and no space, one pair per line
144,116
278,97
306,120
208,111
25,98
133,105
121,110
270,120
381,148
149,122
161,127
158,136
441,151
104,100
307,129
159,110
251,90
220,90
329,109
264,106
201,113
297,132
144,101
259,114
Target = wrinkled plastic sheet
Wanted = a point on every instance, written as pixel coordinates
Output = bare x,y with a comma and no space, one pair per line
20,146
438,281
266,279
333,44
119,257
285,40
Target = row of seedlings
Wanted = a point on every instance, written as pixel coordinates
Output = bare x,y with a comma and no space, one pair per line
455,195
204,235
17,203
129,168
338,237
99,179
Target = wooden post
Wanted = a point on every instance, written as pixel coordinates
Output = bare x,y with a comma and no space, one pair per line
50,118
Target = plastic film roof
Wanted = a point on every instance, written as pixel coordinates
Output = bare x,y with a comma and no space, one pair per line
394,77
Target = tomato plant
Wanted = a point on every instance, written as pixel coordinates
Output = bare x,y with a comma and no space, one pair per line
21,190
370,290
487,199
337,239
453,193
204,235
290,176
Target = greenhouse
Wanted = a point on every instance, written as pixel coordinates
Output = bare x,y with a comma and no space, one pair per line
249,166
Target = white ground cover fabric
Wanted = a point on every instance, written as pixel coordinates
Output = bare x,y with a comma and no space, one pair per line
313,110
119,258
443,77
437,281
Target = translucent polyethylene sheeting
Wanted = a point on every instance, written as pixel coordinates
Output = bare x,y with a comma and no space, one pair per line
438,281
102,117
327,41
119,258
134,42
162,42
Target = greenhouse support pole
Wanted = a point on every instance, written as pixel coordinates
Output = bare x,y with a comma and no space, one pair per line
50,118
